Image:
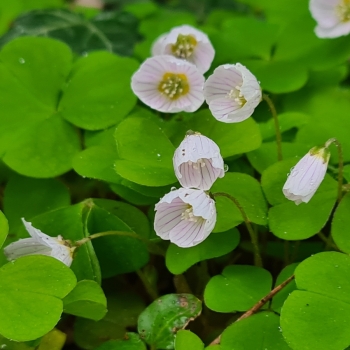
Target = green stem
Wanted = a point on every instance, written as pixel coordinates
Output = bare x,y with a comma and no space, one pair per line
148,286
328,241
252,233
277,126
152,247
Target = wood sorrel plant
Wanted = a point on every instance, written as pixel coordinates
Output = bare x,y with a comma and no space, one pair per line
141,235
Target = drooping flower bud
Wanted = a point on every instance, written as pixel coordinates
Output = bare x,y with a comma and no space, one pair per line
185,216
40,244
305,178
197,162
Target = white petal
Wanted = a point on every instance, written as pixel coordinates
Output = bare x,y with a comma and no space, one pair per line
39,236
158,45
145,84
26,246
203,53
186,233
334,32
62,253
306,177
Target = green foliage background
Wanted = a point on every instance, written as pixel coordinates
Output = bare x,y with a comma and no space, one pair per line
80,155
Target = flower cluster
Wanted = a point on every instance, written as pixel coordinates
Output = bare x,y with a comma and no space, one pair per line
187,216
172,80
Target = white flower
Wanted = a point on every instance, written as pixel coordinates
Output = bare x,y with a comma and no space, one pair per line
307,175
332,17
169,85
186,217
197,162
41,244
232,93
187,43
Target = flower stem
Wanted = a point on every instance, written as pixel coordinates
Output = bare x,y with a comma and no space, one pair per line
152,247
340,165
252,233
259,305
277,126
328,241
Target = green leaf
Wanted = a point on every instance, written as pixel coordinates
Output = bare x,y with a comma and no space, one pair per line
266,155
340,224
97,163
39,283
70,223
86,300
54,340
26,197
99,86
319,104
4,228
281,296
34,140
294,222
314,316
145,153
232,139
187,340
274,177
111,31
132,341
159,322
123,311
141,9
178,260
118,253
239,288
286,122
260,331
278,76
248,193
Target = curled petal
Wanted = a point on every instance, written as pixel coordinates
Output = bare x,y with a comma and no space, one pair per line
186,217
197,162
232,93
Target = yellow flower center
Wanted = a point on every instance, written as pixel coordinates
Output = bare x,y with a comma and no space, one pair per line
188,214
184,47
237,96
343,10
174,85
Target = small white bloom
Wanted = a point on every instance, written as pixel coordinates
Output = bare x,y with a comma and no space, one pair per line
332,17
185,216
169,85
197,162
232,93
188,43
41,244
305,178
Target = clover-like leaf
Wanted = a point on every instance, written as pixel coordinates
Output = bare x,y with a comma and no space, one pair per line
158,323
31,289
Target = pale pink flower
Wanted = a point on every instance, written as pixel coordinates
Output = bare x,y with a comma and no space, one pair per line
185,216
198,162
305,178
232,93
188,43
332,17
40,244
169,85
